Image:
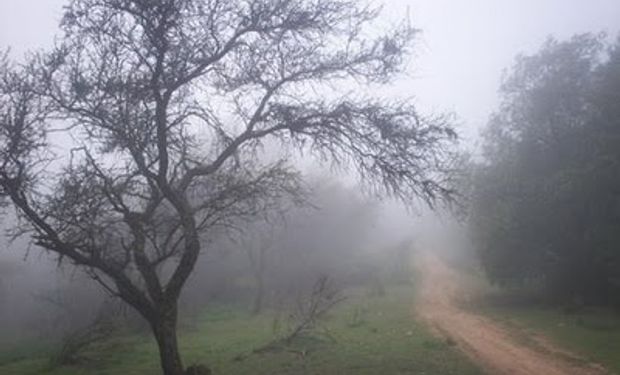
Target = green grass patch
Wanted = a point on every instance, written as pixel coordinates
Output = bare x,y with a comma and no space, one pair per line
363,335
24,350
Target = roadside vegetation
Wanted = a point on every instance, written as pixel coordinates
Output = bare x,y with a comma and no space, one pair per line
546,197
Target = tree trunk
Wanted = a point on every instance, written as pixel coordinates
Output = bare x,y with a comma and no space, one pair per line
258,299
165,329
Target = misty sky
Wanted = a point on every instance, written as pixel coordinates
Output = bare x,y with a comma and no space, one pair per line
465,45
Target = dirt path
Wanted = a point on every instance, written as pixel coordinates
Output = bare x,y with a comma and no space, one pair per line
481,338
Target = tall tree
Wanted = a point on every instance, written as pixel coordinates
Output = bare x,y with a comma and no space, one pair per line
546,197
142,131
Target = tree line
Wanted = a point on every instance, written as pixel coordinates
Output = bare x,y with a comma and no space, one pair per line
545,207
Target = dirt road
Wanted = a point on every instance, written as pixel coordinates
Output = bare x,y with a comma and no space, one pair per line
484,340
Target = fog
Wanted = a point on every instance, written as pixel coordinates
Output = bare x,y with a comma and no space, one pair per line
351,238
459,57
467,154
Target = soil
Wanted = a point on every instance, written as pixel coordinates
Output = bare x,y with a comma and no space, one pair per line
487,342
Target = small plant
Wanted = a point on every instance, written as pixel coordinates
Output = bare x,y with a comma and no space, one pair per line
305,317
74,344
310,310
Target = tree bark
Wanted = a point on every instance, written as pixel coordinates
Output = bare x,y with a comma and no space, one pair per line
165,330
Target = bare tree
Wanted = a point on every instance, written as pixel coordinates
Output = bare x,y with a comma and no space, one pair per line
310,309
142,131
306,314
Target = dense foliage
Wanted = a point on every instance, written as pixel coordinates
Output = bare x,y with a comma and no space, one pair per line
546,196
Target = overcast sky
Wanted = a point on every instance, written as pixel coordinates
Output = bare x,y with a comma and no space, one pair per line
464,47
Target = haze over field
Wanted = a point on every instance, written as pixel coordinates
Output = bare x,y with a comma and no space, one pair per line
337,177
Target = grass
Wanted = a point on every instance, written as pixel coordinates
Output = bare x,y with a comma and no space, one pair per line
365,335
593,334
23,351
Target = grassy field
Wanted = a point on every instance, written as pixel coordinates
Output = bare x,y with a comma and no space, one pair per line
592,333
365,335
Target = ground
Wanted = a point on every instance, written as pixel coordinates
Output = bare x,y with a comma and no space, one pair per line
365,335
498,348
444,328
